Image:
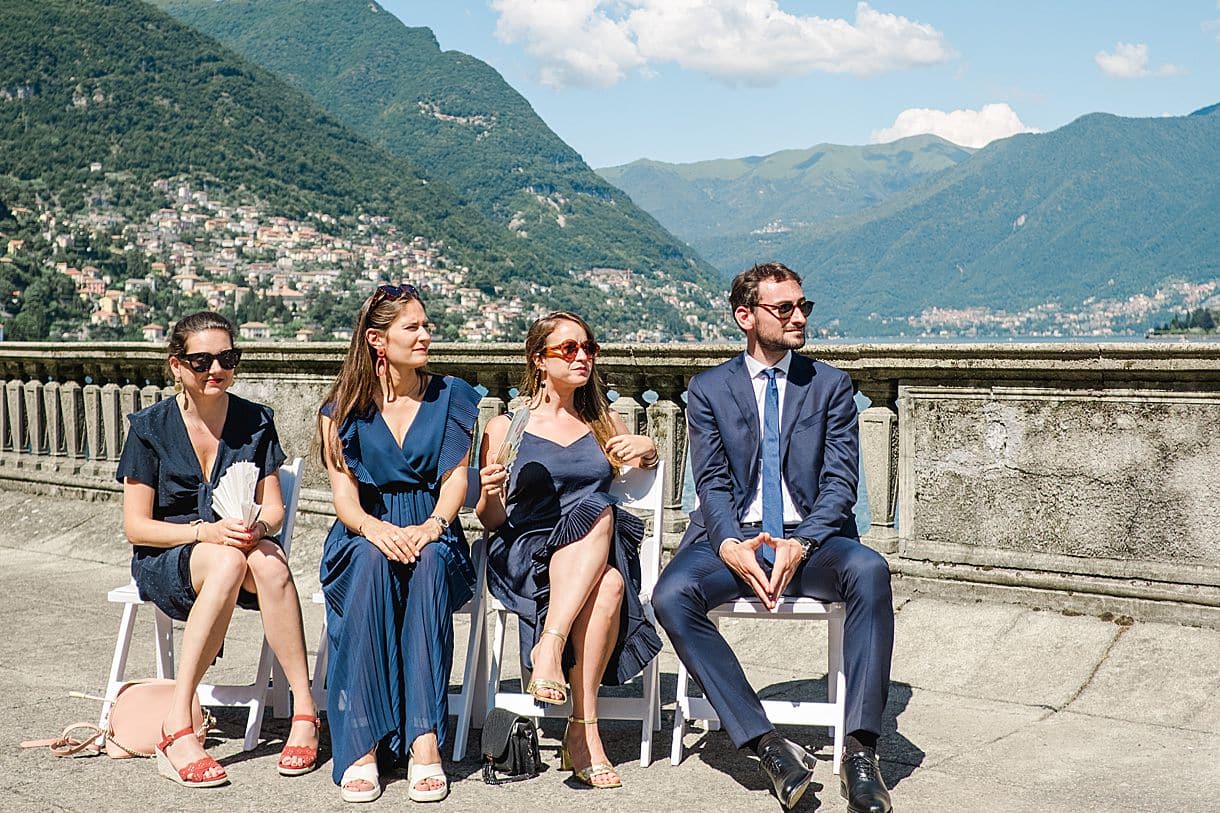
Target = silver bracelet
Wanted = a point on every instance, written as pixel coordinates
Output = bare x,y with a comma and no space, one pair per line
441,521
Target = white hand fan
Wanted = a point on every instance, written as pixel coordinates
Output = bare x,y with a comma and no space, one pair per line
512,439
233,497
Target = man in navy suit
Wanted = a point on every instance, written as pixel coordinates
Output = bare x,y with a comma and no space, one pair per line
775,450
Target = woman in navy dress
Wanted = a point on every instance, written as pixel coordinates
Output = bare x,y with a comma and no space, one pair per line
196,567
562,555
396,441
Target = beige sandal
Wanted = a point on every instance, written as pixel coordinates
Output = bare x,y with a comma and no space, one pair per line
354,773
538,685
419,772
586,775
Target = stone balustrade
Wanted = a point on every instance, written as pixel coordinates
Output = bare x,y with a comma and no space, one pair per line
1083,477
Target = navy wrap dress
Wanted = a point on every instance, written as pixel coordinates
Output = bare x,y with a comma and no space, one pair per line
158,453
555,495
390,625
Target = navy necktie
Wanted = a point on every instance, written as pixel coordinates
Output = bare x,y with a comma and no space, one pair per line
772,493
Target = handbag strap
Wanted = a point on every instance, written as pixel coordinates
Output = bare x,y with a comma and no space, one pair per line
489,775
67,746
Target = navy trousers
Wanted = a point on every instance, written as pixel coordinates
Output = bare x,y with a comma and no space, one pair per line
841,569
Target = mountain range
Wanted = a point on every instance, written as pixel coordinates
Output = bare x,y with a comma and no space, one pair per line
715,203
1104,207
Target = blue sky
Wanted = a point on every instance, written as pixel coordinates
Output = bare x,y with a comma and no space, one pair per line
688,80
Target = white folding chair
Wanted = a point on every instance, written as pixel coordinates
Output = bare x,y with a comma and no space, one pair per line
252,696
641,489
786,712
466,699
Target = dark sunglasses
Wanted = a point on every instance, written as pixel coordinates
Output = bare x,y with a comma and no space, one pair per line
784,309
568,350
395,292
202,362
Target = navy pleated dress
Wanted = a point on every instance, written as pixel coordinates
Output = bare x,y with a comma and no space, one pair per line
390,625
555,495
158,453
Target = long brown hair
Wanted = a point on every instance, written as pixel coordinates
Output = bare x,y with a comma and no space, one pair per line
357,389
592,405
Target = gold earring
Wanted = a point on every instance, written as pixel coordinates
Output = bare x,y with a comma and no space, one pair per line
177,386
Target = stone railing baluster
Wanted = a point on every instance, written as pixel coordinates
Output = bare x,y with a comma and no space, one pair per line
879,456
112,421
6,437
35,417
489,408
14,394
150,395
667,426
72,403
629,404
130,398
53,408
95,446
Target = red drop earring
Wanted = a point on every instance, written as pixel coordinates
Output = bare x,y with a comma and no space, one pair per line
384,376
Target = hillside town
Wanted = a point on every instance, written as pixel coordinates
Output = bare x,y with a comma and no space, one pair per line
1092,317
217,253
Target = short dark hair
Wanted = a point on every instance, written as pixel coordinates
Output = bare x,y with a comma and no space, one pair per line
744,292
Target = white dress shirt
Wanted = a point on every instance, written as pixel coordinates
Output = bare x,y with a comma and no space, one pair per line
756,369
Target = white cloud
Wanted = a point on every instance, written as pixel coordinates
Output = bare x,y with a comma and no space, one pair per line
969,128
1213,25
599,42
1131,61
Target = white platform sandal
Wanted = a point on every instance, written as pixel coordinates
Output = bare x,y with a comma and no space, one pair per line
417,772
354,773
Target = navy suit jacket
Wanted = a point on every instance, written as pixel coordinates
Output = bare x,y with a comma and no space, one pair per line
819,449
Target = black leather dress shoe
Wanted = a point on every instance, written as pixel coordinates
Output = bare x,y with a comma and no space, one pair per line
790,769
861,784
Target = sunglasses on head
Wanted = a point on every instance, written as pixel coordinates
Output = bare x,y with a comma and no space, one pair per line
568,350
784,309
202,362
395,292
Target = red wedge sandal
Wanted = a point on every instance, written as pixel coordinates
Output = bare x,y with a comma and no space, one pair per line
194,775
305,752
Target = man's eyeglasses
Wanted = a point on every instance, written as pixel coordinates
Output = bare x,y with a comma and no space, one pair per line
202,362
568,350
784,309
395,292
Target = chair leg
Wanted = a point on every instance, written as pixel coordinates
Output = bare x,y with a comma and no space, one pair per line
649,715
258,702
118,664
836,684
318,684
474,663
711,723
680,710
497,658
164,640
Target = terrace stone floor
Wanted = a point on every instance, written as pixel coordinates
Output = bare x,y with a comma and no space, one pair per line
993,707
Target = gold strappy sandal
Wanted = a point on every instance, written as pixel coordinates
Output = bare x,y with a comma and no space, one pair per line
538,685
586,775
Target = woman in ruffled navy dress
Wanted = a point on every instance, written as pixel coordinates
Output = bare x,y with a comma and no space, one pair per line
562,555
395,441
195,566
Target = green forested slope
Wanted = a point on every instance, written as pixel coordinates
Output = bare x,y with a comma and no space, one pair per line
122,84
716,205
456,118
